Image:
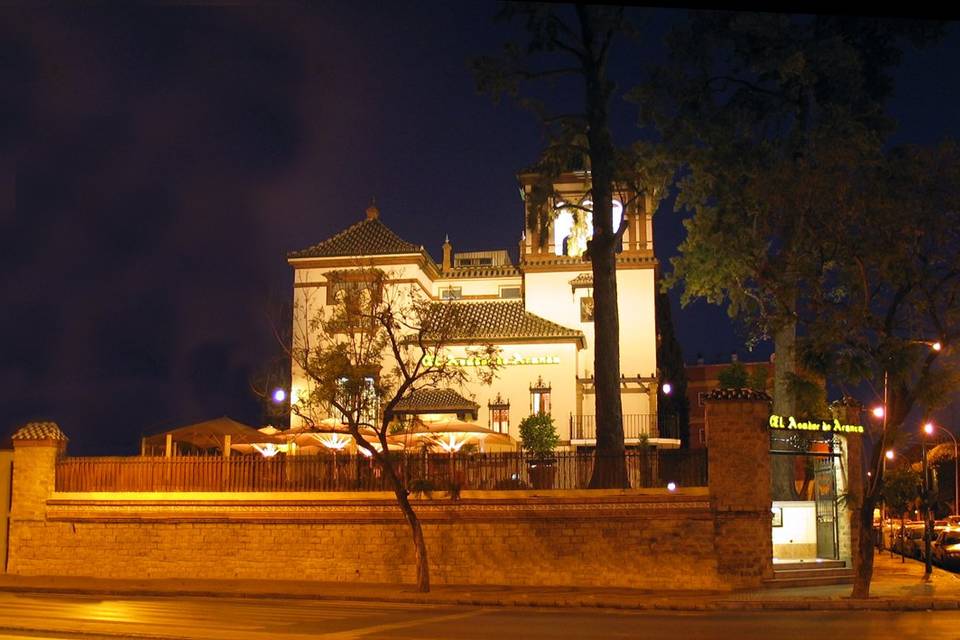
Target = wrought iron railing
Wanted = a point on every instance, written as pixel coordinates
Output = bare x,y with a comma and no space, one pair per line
636,426
419,472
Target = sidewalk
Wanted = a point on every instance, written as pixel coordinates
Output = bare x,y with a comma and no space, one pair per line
896,586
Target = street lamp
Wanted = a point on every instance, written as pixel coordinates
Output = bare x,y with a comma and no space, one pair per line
887,455
928,561
929,428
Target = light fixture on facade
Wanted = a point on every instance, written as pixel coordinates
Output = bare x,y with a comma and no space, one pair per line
279,395
671,486
878,412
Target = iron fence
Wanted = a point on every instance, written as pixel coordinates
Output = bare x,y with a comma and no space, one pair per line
420,473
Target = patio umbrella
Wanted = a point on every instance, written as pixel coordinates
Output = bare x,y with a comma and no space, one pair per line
329,433
452,434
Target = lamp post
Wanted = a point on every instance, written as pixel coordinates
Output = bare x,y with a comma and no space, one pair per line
929,428
927,560
887,455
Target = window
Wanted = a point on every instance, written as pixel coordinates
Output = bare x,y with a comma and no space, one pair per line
509,292
451,293
474,262
540,397
499,415
586,309
358,398
354,297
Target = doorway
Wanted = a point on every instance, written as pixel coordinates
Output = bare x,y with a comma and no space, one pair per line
804,471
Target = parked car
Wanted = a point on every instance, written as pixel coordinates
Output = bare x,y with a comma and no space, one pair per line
945,550
912,545
953,521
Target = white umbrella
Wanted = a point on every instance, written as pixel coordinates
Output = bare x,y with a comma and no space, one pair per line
451,435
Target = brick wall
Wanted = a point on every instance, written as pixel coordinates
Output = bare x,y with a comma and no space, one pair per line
633,539
648,539
739,467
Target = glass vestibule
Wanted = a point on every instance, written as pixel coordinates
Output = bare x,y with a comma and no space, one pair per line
805,478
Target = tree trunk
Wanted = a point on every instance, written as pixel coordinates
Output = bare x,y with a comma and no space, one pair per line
863,562
610,466
782,485
423,569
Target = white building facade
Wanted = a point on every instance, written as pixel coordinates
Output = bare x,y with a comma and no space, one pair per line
538,312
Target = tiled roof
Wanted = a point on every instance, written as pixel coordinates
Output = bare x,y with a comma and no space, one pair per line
584,280
39,431
737,394
437,400
491,321
366,238
487,271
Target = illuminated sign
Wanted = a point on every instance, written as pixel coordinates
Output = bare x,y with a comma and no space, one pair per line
834,426
481,361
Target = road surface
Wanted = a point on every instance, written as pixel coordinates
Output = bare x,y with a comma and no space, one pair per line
70,617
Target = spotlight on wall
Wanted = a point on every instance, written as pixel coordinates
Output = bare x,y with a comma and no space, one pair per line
671,486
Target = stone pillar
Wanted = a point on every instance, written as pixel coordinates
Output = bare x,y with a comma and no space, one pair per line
36,447
739,477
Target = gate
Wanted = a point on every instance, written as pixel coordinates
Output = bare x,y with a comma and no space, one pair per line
825,497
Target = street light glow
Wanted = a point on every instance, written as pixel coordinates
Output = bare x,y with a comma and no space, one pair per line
279,395
671,486
889,454
936,346
667,388
928,428
878,412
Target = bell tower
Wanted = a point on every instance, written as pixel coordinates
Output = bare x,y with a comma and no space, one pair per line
558,221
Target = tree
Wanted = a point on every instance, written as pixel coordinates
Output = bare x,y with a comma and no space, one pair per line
901,493
744,99
575,44
882,301
735,376
362,355
779,121
672,370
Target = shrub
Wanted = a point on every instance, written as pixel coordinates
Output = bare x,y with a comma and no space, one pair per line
538,435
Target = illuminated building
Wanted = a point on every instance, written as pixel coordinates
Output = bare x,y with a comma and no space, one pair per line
538,311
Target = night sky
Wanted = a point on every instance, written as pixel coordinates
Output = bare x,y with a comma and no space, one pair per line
158,163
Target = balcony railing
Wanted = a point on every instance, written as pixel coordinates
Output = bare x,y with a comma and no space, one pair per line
636,426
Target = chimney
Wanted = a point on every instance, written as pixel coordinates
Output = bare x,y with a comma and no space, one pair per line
372,212
733,357
447,254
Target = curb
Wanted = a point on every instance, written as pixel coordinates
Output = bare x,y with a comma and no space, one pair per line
797,604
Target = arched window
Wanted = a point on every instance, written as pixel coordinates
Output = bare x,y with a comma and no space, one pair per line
573,227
